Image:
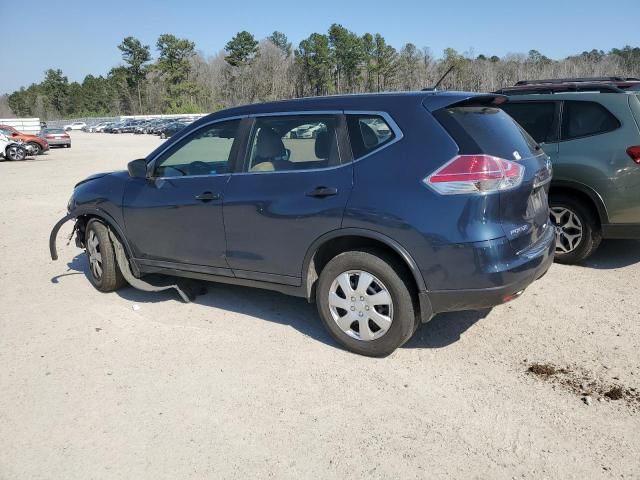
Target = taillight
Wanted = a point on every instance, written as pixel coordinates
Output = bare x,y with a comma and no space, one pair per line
634,153
49,136
475,174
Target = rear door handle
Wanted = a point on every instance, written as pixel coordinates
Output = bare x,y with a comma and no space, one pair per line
208,196
322,192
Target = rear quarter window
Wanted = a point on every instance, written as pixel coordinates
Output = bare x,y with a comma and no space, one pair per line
584,119
368,133
489,130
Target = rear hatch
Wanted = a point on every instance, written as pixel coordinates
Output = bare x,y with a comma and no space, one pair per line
479,127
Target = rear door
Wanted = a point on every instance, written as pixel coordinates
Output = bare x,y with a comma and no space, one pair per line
290,192
524,210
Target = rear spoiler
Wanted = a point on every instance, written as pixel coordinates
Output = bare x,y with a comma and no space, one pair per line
449,101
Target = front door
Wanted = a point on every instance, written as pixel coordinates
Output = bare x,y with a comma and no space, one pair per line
293,188
175,215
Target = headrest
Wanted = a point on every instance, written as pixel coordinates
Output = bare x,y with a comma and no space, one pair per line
269,144
322,145
369,137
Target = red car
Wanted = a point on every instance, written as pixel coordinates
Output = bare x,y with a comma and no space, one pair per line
40,145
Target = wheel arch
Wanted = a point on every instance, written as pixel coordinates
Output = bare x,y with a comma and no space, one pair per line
86,214
588,194
338,241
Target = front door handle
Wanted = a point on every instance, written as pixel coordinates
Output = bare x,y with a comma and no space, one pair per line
208,196
322,192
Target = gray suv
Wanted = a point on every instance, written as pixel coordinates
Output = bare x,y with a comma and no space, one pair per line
590,130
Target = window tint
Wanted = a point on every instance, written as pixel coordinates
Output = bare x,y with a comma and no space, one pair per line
583,119
204,152
367,132
481,129
535,117
293,143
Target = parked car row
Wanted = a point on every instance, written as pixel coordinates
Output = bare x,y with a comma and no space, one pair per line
36,143
17,145
163,127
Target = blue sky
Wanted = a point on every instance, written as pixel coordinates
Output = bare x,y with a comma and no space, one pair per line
80,37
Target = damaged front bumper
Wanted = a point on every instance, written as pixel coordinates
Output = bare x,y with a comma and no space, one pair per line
121,260
54,234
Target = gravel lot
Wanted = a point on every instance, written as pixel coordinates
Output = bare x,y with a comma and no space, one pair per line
246,383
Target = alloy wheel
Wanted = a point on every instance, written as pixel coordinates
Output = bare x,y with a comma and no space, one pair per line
16,152
361,305
568,229
95,256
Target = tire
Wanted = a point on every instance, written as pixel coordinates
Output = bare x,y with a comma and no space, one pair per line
107,277
572,217
387,275
15,153
37,149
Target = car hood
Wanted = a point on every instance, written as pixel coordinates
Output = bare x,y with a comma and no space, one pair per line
99,175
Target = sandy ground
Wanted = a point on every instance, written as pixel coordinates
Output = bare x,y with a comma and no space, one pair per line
246,383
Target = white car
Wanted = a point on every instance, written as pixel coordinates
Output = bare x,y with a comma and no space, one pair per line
307,131
75,126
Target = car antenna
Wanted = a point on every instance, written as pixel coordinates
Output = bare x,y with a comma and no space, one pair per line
435,87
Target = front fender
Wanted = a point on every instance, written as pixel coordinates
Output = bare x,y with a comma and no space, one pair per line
92,212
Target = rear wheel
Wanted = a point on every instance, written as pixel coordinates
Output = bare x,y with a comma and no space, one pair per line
365,302
578,233
104,273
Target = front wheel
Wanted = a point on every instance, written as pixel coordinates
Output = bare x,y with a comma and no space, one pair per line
578,232
365,302
15,152
37,149
104,273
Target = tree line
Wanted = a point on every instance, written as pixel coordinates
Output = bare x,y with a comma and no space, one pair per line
181,79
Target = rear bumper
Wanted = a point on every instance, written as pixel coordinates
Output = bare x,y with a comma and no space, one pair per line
56,142
518,274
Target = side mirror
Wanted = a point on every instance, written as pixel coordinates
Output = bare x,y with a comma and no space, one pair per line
137,168
15,134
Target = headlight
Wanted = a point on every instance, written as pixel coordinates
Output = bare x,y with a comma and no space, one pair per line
70,204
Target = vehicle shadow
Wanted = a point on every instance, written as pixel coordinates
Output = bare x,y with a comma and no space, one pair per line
443,330
614,254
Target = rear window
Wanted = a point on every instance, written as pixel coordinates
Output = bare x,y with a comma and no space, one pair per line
537,118
584,119
489,130
54,130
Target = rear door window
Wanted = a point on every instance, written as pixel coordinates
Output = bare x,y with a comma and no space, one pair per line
489,130
293,143
584,119
537,118
368,133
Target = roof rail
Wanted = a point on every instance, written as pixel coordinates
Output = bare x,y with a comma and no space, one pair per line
574,80
570,87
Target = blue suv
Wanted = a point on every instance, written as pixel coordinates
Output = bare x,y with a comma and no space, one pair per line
384,209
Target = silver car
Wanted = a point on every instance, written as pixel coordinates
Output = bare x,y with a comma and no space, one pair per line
56,137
